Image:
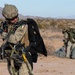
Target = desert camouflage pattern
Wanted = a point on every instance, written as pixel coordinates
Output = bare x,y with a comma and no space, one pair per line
25,40
25,70
19,34
9,11
1,41
69,42
70,46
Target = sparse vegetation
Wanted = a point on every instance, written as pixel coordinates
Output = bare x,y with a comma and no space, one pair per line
55,23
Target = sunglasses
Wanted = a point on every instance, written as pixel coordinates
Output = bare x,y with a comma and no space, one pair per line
11,18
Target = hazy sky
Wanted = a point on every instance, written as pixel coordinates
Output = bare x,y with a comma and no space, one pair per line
43,8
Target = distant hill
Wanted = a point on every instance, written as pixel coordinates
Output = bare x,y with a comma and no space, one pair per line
37,17
20,15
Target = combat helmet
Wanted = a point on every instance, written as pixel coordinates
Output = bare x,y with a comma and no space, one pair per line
9,11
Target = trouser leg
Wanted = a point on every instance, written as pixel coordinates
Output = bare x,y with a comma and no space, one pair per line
68,51
73,45
25,70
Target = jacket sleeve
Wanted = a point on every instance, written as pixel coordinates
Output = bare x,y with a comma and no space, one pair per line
1,41
19,33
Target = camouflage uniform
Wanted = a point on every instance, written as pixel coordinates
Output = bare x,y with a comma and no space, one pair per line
8,12
17,36
69,41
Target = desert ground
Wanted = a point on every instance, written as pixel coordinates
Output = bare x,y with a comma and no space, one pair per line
50,65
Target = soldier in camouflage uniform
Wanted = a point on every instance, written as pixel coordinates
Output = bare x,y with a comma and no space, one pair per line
10,12
69,40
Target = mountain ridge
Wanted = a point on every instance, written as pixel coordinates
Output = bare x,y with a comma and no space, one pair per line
37,17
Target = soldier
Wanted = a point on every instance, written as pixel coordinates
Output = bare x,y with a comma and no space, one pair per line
16,30
10,13
69,41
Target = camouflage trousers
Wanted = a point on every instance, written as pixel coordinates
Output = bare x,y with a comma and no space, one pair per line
25,69
70,46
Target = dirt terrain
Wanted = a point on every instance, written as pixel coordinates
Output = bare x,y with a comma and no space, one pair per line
50,65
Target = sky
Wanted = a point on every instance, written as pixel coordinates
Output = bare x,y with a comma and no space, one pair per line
43,8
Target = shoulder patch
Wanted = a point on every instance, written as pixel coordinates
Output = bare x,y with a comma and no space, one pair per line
22,26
